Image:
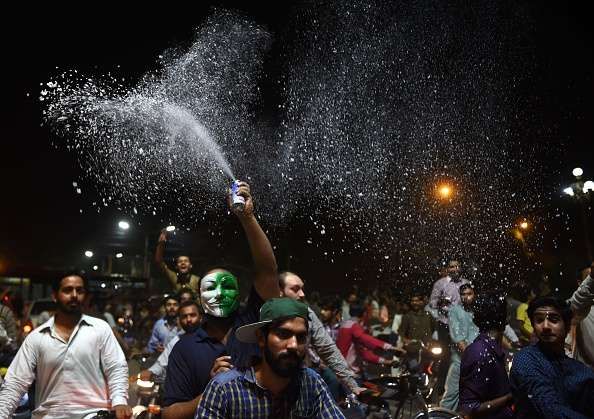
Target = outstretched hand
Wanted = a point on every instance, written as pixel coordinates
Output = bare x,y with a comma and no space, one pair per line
244,191
163,236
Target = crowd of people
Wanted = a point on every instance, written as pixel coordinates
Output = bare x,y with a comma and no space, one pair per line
281,352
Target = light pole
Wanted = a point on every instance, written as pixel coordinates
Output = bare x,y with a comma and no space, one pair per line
582,191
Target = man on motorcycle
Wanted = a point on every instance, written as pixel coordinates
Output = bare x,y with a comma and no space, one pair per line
75,360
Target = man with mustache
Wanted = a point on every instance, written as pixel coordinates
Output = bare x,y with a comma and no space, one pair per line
276,385
189,320
75,360
544,381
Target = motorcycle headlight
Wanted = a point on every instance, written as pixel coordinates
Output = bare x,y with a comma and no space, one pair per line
436,350
144,384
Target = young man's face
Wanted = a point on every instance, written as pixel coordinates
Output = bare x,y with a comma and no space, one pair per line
71,295
417,303
171,307
327,315
467,296
549,326
293,288
189,318
185,296
183,264
284,347
219,293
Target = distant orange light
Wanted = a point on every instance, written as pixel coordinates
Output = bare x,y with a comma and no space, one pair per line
524,225
444,191
27,328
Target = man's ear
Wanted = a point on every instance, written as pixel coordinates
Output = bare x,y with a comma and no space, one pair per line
261,338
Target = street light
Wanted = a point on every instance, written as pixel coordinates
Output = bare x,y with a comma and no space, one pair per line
582,191
124,225
88,253
119,255
524,225
170,228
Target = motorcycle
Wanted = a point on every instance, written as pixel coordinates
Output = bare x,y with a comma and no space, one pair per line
145,396
407,392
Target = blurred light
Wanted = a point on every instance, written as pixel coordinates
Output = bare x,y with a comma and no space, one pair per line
436,350
103,285
568,191
27,328
119,255
115,286
577,172
170,228
524,225
124,225
95,267
588,186
88,253
444,191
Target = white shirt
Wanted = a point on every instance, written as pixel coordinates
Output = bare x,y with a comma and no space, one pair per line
159,368
84,375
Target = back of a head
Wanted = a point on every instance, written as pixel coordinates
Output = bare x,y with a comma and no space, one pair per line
490,312
356,310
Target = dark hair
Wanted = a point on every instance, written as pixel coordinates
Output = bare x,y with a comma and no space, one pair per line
181,256
466,286
57,281
330,302
167,297
356,310
188,304
417,293
490,312
185,290
551,301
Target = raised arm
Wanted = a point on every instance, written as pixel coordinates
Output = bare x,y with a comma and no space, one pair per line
160,262
583,298
266,279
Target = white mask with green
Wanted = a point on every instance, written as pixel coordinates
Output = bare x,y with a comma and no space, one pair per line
219,294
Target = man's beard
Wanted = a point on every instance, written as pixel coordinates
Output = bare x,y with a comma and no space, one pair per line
70,309
191,329
284,365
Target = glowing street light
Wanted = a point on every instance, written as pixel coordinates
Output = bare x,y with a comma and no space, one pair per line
88,253
524,225
588,186
577,172
170,228
119,255
95,267
124,225
444,191
568,191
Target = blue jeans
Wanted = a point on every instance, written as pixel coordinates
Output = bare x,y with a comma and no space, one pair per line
452,384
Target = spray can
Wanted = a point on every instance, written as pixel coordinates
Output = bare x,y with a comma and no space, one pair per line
238,201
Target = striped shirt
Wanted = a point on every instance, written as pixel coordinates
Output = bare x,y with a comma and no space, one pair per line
235,394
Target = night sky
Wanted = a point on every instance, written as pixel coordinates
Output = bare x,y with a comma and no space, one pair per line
40,213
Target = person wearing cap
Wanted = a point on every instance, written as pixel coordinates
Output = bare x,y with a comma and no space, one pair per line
166,328
213,348
276,384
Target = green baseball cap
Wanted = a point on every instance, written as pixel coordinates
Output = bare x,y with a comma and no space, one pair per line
273,309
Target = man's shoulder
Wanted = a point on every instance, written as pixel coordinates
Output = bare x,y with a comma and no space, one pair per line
227,377
527,358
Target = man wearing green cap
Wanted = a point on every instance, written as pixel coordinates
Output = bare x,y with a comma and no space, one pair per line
276,385
213,348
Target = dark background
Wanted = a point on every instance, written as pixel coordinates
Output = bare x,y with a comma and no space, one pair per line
40,220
